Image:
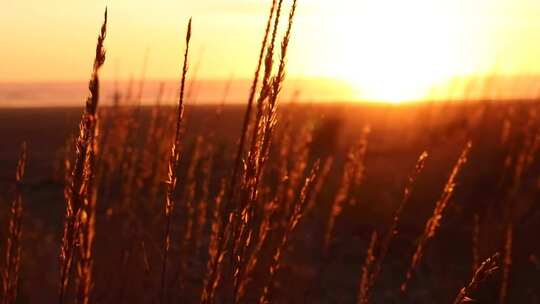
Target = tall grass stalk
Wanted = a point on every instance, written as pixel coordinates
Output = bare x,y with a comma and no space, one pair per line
433,223
368,280
482,275
353,174
262,136
174,160
365,278
224,232
80,194
12,263
251,98
296,215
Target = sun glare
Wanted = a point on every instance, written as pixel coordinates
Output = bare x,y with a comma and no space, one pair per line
396,51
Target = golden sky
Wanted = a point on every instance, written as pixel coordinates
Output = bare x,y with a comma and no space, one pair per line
386,49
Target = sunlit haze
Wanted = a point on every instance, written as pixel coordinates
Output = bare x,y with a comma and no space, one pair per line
385,50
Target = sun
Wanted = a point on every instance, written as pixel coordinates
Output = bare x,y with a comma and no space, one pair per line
396,51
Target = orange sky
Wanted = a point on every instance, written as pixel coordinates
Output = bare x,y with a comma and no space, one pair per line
386,49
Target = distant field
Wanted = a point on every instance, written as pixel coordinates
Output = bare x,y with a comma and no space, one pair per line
398,136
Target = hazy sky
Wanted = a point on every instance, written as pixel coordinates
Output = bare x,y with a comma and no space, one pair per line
372,44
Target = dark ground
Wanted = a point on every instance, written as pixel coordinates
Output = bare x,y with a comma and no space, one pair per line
398,136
